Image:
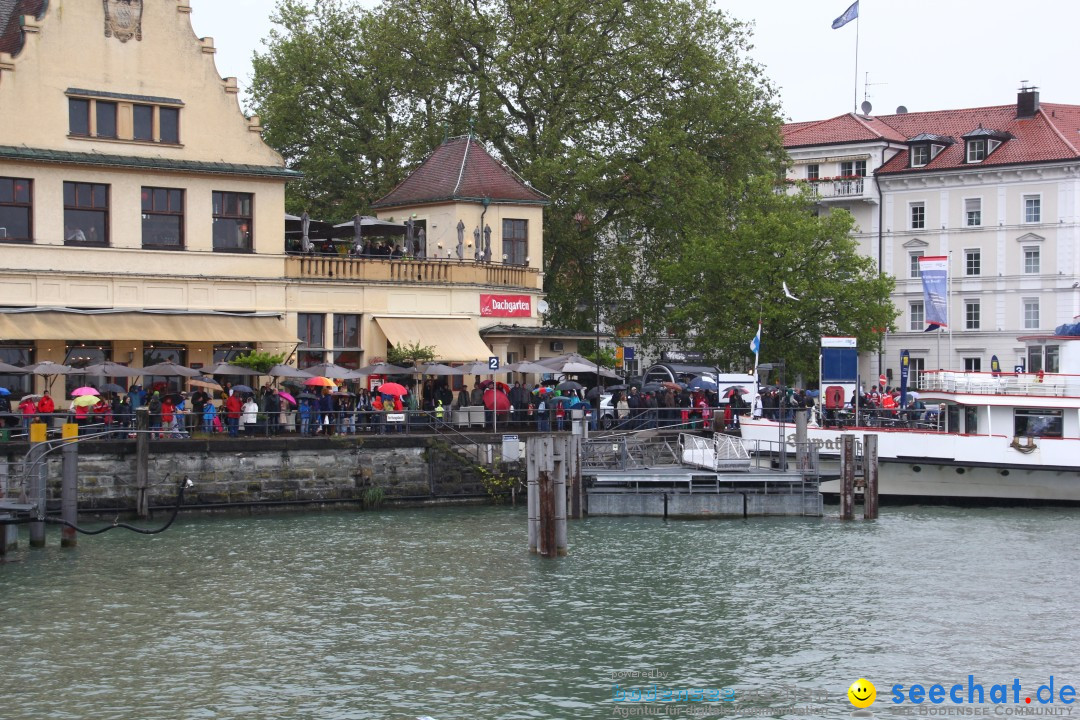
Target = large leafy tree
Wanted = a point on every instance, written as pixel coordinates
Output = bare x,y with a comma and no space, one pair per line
738,278
643,120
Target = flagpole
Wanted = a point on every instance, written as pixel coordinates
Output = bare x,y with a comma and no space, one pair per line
855,103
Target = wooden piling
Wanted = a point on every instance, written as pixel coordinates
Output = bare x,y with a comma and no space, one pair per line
546,459
69,488
573,473
142,462
847,477
802,449
38,473
9,534
870,465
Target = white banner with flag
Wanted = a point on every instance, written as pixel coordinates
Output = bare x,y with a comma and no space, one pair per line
850,14
935,282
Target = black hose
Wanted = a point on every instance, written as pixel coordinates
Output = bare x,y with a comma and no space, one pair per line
184,483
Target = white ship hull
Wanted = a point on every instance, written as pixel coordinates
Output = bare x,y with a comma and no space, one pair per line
926,464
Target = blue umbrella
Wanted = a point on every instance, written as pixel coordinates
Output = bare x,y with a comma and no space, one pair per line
4,391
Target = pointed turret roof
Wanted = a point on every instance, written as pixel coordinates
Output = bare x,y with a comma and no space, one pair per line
11,13
462,170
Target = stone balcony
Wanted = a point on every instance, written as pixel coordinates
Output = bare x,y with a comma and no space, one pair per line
424,272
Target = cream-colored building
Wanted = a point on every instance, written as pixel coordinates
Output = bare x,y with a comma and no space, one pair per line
995,191
142,215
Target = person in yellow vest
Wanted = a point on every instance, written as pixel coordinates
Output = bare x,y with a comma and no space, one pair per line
439,412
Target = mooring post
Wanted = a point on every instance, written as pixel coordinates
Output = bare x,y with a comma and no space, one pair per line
537,455
69,488
847,477
573,469
142,462
38,473
870,465
9,534
802,450
560,476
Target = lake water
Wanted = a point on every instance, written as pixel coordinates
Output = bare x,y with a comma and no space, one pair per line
443,612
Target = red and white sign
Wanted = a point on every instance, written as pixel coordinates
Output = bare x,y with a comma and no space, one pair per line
505,306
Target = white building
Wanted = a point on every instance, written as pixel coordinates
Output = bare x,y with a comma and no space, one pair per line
995,189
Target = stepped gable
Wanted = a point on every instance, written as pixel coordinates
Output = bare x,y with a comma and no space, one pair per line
11,12
461,169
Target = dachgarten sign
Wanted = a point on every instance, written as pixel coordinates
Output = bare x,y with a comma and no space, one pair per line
505,306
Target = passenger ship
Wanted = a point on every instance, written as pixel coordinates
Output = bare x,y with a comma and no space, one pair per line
1011,437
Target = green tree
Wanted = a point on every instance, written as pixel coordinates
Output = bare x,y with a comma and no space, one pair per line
260,360
714,303
406,355
639,118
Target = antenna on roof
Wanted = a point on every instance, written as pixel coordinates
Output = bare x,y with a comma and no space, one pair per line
866,106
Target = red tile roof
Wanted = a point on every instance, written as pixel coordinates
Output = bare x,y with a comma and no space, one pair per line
11,12
461,169
1053,133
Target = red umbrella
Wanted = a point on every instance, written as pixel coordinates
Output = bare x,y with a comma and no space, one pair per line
498,385
496,400
393,389
319,381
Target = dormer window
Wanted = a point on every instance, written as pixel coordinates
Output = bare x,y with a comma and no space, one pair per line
920,155
925,147
979,143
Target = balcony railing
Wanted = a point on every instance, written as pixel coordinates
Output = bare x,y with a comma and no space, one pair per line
426,272
847,188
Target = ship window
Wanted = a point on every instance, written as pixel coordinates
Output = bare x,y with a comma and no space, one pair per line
1037,422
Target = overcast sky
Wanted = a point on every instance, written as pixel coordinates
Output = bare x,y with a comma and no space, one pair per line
923,54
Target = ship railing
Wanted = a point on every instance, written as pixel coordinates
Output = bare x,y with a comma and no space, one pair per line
982,383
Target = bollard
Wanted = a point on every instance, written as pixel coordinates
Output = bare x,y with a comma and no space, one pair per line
577,492
546,461
69,488
536,450
870,463
142,461
559,478
847,477
38,472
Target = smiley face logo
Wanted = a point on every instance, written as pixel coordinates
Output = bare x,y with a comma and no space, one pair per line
862,693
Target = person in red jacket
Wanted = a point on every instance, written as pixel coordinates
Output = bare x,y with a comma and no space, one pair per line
233,407
45,404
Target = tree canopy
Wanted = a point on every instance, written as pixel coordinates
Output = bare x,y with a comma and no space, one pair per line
643,120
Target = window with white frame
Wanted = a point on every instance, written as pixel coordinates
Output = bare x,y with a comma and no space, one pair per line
918,215
972,320
976,150
972,262
973,212
1032,264
813,172
1032,208
920,155
1031,313
855,168
916,368
917,313
913,260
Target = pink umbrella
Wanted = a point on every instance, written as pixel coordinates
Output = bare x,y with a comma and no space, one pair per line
287,396
86,390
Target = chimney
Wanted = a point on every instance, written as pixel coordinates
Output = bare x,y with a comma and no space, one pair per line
1027,102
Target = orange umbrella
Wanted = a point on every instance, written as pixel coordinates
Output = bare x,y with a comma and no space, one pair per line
319,381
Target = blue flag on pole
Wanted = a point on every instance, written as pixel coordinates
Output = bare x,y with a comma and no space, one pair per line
850,14
755,344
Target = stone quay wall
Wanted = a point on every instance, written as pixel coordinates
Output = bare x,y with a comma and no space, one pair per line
269,472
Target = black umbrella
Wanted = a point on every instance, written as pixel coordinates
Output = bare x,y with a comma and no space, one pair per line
307,396
593,393
111,387
652,387
732,391
569,385
242,388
